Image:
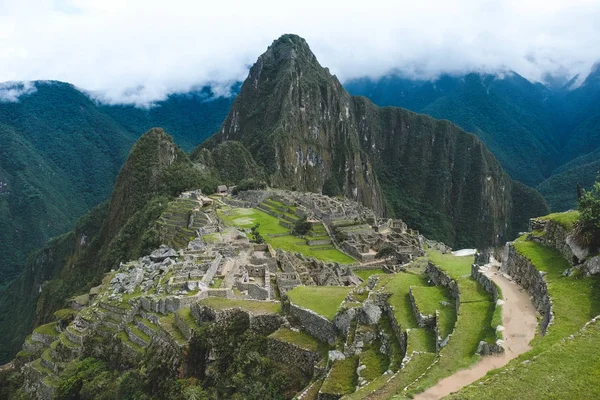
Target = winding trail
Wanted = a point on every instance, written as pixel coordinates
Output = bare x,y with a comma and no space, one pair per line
519,320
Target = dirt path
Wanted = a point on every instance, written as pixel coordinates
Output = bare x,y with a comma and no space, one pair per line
518,318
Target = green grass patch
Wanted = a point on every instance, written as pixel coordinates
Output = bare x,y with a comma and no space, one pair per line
138,332
575,300
254,306
384,390
375,362
429,299
398,285
364,274
566,219
300,339
455,267
472,326
64,313
420,339
269,225
216,282
168,324
342,377
186,315
324,300
125,339
47,329
568,370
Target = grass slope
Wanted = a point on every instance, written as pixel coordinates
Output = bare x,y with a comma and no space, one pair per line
324,300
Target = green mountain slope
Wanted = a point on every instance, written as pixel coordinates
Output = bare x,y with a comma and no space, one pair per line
124,228
309,134
61,152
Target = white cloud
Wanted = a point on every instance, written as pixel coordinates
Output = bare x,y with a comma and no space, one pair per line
11,91
139,51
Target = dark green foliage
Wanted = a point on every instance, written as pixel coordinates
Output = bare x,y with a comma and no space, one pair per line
255,234
588,229
529,204
542,135
249,184
302,227
121,230
234,163
61,152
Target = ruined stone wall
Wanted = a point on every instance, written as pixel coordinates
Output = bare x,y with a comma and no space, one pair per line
424,321
526,275
440,278
166,305
315,324
290,354
485,282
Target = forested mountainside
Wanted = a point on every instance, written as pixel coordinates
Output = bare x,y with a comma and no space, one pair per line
61,151
309,134
126,227
543,136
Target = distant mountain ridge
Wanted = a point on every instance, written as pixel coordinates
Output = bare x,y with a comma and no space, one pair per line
534,131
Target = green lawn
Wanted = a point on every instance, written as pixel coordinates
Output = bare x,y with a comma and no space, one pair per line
455,267
342,377
376,363
254,306
364,274
429,299
269,225
420,339
300,339
48,329
324,300
567,219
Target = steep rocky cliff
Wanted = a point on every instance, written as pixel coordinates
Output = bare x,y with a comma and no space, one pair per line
309,134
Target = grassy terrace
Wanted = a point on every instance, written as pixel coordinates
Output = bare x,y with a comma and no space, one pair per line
366,273
269,225
473,322
398,285
300,339
567,219
568,370
574,300
375,362
48,329
342,378
324,300
253,306
429,299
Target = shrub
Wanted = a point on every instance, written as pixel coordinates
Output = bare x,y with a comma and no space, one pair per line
302,227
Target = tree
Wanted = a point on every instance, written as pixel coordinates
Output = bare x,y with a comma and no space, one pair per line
302,227
588,227
256,236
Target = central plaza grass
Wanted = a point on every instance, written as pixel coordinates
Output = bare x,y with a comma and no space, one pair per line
324,300
269,225
364,274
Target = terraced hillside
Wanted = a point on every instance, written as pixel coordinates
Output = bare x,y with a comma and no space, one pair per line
225,309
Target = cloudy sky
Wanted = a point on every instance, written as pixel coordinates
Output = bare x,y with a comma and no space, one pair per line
138,51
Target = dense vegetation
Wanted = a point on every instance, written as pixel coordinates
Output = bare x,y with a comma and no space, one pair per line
543,136
124,228
61,153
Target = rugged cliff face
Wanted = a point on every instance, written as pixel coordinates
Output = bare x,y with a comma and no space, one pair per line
309,134
298,123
